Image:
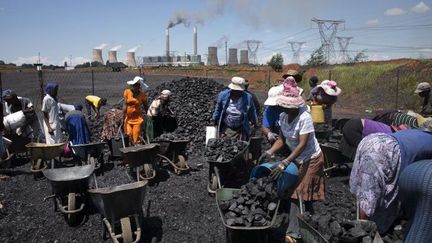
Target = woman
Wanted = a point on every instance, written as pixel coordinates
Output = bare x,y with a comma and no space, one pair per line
326,94
50,109
94,103
235,111
134,100
377,165
161,115
297,131
355,130
78,130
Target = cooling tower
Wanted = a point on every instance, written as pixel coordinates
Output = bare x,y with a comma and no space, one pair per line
212,58
244,58
112,56
232,56
131,59
97,55
195,41
167,42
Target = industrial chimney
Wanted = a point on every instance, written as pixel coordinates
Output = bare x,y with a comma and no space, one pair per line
112,56
195,41
232,56
212,58
167,44
244,58
97,55
130,58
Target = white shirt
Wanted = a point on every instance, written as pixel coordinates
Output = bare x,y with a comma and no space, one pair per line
49,105
301,125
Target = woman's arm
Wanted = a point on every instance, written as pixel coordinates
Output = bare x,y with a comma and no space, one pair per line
298,149
46,119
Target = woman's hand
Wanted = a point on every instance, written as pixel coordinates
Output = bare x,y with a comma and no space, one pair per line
276,173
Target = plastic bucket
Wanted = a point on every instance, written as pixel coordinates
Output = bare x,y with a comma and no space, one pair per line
211,132
14,120
317,114
286,182
65,108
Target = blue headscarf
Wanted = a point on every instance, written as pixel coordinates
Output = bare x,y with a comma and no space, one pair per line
50,87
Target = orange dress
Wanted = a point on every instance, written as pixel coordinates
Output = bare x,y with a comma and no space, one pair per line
134,117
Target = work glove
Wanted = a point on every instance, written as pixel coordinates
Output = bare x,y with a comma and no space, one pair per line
276,172
265,156
272,137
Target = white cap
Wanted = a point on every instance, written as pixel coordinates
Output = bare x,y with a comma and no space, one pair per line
237,83
273,93
166,93
138,80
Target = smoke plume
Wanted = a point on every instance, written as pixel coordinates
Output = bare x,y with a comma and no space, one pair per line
101,46
116,48
214,8
221,41
133,49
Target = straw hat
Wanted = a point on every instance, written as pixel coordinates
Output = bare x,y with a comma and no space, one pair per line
237,83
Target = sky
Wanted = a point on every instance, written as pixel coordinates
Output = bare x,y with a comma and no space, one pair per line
69,30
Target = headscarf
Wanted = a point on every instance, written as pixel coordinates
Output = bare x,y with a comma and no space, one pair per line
8,93
291,97
50,87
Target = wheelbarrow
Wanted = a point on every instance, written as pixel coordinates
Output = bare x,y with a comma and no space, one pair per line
41,153
90,152
174,152
218,171
333,157
69,187
6,157
142,156
243,234
119,206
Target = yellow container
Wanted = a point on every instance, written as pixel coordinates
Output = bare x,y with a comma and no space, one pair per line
317,113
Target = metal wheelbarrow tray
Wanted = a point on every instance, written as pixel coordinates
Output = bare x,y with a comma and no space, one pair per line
257,234
41,152
309,234
68,184
216,169
85,152
142,155
117,204
333,157
174,152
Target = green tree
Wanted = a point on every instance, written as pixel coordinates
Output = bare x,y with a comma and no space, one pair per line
276,62
317,58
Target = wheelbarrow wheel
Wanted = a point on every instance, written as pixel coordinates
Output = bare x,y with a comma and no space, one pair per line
71,217
181,164
126,230
148,170
214,183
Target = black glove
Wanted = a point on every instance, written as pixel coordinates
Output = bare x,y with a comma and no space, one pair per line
265,156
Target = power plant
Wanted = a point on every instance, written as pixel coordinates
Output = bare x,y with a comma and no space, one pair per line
232,56
130,59
244,57
112,56
212,57
97,55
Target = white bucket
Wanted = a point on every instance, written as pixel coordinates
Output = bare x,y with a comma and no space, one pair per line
65,108
211,132
14,121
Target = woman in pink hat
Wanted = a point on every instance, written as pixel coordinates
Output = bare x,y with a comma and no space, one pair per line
297,131
326,94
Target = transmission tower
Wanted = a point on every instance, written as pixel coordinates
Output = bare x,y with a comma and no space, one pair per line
328,30
252,46
296,48
343,44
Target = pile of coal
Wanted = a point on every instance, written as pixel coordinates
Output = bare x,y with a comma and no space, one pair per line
342,230
179,134
223,149
254,205
192,102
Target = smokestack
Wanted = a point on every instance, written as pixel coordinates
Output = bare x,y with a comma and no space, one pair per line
195,41
130,57
232,56
112,56
212,58
244,57
97,55
167,44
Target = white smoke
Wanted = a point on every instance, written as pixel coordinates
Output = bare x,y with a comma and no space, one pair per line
116,48
221,41
101,46
185,17
133,49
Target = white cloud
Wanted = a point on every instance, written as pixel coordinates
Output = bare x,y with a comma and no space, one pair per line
372,22
421,7
101,46
31,60
394,12
75,61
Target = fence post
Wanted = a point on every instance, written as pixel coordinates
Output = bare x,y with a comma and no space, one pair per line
41,84
92,77
1,88
397,89
140,72
268,80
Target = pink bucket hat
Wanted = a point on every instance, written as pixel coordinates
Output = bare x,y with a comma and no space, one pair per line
330,87
290,97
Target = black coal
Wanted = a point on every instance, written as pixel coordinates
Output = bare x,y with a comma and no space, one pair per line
253,205
223,149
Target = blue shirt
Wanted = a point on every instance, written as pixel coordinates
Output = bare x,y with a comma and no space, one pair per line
270,118
414,145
